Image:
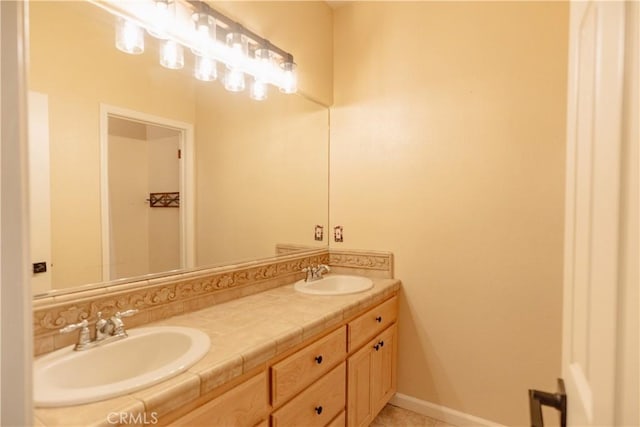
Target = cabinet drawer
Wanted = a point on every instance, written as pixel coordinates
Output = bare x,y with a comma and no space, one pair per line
245,405
372,322
317,405
302,368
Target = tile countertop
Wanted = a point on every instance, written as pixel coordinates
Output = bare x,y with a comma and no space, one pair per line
245,333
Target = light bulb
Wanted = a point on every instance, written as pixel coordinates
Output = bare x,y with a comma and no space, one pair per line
205,35
205,69
234,80
171,55
239,46
129,37
265,64
161,19
258,90
290,79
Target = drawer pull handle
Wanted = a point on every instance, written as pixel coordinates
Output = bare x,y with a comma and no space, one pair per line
318,410
319,359
379,319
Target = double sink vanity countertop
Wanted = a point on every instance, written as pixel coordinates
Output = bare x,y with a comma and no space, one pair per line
245,333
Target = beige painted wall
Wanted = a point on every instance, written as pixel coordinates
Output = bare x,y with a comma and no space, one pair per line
447,148
280,177
303,28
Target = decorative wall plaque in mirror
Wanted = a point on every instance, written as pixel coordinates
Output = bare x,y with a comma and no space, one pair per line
111,132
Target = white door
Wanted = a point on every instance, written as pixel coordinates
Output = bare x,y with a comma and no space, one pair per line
592,216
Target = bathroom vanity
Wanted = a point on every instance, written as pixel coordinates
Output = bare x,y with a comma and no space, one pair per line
346,374
277,358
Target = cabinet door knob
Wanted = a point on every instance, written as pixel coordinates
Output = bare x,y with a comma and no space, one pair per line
381,343
377,347
319,359
318,410
379,319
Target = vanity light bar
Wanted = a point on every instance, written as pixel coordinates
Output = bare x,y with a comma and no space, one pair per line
195,25
202,7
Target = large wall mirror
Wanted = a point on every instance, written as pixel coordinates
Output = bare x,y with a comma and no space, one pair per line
136,169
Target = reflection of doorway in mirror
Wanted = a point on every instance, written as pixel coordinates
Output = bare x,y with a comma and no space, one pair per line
141,157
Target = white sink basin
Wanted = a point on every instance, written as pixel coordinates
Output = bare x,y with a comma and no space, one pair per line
334,284
147,356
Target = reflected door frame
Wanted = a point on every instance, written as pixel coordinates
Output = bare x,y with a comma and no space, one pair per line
187,181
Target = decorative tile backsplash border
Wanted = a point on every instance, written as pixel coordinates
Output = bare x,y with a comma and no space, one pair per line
164,297
378,264
169,296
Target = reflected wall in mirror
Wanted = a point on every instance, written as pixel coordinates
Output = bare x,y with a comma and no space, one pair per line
260,168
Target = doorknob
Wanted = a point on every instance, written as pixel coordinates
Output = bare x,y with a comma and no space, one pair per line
557,400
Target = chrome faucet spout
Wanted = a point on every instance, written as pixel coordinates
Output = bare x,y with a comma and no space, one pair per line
106,330
315,272
103,328
322,269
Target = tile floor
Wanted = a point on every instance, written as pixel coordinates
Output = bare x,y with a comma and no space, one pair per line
392,416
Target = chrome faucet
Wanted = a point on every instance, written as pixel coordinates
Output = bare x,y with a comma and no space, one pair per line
106,330
84,340
315,272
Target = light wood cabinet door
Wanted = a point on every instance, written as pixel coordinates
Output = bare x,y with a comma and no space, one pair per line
359,372
383,375
243,406
371,378
317,405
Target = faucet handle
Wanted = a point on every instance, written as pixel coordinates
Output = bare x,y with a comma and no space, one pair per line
84,339
310,271
72,327
118,324
128,313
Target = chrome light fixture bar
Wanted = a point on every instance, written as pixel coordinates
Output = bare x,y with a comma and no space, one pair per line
211,36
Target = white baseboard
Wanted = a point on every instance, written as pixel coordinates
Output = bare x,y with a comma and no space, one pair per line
439,412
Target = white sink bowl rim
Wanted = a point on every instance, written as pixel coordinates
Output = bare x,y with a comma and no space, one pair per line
146,357
334,284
